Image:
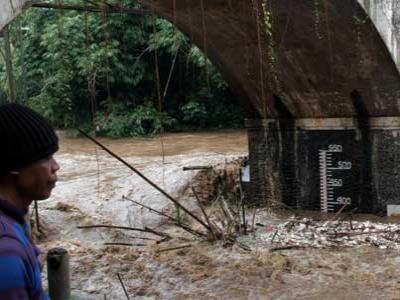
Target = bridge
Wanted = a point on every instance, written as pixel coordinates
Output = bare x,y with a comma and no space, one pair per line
304,71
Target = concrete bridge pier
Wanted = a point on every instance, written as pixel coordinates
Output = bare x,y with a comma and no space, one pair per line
322,164
385,155
271,161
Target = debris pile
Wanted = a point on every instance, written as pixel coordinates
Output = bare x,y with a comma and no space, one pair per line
307,233
212,180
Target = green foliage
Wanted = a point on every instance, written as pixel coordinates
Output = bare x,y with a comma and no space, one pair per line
194,113
79,69
167,38
140,121
55,100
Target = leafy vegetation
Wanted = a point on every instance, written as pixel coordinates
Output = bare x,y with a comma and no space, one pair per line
99,71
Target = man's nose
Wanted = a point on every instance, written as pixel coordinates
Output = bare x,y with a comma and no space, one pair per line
55,166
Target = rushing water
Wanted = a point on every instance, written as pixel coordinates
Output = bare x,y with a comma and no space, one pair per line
90,192
94,182
219,142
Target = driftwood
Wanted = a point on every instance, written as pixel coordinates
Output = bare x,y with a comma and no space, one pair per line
243,246
176,221
191,168
141,238
213,234
289,247
124,244
146,229
253,219
173,248
228,214
165,235
337,214
273,237
123,286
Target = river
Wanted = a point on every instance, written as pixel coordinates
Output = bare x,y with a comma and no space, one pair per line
95,182
90,191
92,184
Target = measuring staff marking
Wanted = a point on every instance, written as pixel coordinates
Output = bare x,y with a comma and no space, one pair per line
328,183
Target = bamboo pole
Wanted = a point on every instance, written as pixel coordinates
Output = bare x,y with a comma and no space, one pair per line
204,212
241,202
146,229
9,66
95,9
176,221
123,286
37,216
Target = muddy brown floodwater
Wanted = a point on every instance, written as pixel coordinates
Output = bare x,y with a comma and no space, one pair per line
91,189
220,142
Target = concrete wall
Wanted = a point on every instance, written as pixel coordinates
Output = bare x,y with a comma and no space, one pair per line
9,9
386,16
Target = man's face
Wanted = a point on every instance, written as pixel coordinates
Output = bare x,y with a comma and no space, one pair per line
36,181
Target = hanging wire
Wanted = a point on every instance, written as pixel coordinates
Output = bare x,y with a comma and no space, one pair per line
247,39
175,56
159,98
105,23
328,34
205,46
9,63
171,72
261,56
22,78
174,11
60,25
191,26
91,84
91,80
287,23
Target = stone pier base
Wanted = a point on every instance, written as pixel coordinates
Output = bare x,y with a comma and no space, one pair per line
285,162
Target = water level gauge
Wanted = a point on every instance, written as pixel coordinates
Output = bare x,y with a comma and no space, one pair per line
335,174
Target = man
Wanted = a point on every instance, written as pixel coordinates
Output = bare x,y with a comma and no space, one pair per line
27,173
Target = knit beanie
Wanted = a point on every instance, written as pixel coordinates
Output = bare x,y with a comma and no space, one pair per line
25,137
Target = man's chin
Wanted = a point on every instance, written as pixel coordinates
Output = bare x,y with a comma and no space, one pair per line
42,197
35,194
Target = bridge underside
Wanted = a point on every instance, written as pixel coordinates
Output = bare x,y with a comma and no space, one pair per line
293,57
287,57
